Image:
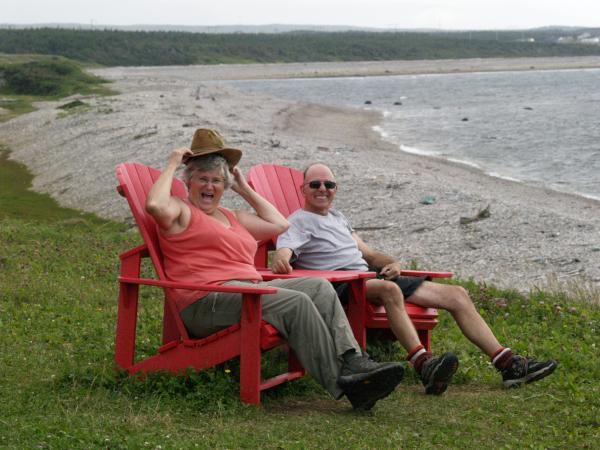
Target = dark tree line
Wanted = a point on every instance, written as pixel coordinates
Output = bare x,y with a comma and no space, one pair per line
111,47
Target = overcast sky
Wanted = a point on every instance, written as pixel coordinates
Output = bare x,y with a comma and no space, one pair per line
449,14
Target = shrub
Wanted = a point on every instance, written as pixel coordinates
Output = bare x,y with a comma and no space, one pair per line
48,78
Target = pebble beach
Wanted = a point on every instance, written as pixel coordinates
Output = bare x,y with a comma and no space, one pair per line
489,229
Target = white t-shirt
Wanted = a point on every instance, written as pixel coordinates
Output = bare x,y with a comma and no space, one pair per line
321,242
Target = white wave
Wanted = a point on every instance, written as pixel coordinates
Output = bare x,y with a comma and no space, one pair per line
420,152
504,177
382,133
590,196
417,151
464,162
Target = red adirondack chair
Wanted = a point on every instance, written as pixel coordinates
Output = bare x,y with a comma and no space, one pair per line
281,186
246,339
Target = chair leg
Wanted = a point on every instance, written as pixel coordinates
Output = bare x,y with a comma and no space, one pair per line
250,350
293,363
357,312
249,380
425,338
170,332
126,325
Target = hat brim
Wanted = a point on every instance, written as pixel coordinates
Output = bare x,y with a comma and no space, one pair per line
232,155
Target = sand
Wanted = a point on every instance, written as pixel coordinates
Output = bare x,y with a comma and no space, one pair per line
531,236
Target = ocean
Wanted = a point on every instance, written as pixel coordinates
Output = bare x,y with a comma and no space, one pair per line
537,127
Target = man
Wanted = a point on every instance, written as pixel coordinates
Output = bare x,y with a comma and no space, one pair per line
321,238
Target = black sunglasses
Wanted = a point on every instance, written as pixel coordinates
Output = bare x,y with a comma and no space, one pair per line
316,184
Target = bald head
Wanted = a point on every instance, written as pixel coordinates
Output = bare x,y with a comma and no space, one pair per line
318,171
318,198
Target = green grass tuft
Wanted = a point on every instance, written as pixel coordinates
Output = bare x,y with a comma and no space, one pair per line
28,78
52,77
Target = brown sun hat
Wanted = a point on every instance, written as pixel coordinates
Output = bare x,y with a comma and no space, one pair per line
208,141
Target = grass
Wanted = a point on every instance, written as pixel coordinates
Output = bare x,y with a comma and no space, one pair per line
58,292
28,78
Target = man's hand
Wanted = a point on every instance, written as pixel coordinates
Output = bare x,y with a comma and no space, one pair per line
391,271
281,261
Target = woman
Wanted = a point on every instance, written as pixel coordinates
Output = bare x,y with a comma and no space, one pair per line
205,243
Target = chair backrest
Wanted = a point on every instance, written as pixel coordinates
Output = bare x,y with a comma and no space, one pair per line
280,185
135,181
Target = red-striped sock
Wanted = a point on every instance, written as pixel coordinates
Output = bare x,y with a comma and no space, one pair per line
417,356
502,358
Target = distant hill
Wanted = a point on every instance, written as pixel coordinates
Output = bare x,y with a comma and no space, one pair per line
218,29
281,28
112,47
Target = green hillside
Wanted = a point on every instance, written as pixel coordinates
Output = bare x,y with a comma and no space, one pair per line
111,47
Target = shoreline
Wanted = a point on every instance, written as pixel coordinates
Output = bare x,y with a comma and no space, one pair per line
466,165
533,235
256,71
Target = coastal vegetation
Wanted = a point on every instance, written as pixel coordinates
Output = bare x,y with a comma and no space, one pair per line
58,291
27,78
130,48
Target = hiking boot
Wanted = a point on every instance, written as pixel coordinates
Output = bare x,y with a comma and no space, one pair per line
437,372
526,370
365,381
377,385
364,395
358,368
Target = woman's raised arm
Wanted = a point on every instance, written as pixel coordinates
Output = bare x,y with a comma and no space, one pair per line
167,210
267,222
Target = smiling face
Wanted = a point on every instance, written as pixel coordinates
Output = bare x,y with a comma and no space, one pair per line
206,189
318,200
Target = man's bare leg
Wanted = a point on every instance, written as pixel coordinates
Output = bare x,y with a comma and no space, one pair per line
435,372
456,300
388,294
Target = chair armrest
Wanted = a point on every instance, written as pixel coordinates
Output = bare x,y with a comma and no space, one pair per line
199,287
330,275
343,275
424,273
141,250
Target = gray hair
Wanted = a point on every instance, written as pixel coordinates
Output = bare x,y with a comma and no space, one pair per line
207,163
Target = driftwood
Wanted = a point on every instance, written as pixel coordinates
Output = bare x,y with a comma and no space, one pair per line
374,227
483,214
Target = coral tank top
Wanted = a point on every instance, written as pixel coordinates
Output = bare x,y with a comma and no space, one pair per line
207,252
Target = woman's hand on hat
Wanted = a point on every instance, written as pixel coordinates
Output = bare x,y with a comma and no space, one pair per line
178,155
239,181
